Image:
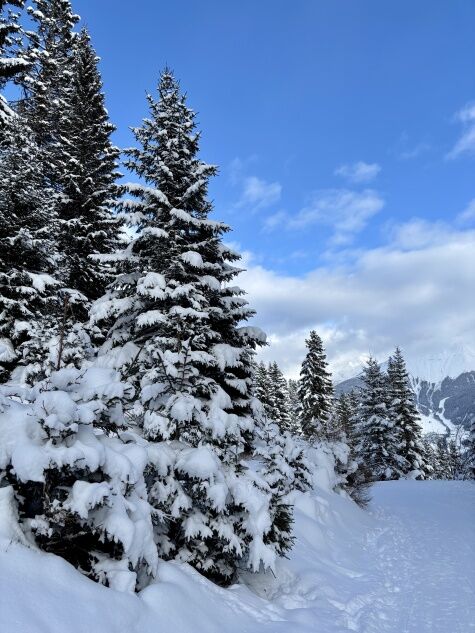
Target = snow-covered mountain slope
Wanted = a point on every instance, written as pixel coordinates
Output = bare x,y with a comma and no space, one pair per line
444,388
448,363
406,565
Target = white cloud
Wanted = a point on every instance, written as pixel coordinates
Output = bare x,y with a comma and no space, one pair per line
466,143
414,152
258,193
413,292
346,212
359,172
419,233
467,215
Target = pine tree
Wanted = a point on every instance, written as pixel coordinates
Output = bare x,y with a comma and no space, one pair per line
345,414
89,191
65,108
28,290
47,83
11,61
347,409
279,395
315,390
404,417
177,338
380,440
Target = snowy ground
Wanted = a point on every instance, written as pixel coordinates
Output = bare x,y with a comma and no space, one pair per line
408,566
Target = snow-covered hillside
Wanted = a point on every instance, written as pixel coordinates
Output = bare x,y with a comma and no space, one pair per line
406,566
447,363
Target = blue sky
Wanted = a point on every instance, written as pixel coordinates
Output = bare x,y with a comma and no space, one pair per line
290,92
344,130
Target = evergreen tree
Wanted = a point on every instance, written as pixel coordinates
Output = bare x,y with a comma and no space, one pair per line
177,337
432,457
278,478
404,417
47,84
65,108
87,226
447,458
279,396
315,390
380,440
28,291
11,61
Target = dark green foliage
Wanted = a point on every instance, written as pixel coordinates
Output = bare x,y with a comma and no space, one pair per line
87,227
315,391
28,291
176,325
404,418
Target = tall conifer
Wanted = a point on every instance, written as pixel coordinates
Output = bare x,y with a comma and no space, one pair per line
87,225
380,439
177,337
315,390
404,417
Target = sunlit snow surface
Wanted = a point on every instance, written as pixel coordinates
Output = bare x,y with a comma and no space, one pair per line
406,566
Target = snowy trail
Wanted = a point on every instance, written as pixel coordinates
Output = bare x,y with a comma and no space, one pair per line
412,570
426,556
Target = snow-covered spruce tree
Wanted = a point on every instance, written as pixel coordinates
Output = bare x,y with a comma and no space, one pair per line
285,469
11,61
380,440
280,397
89,191
315,390
78,477
177,338
48,82
28,291
65,107
404,417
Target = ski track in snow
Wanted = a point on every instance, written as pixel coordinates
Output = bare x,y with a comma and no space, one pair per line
417,572
423,555
407,565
